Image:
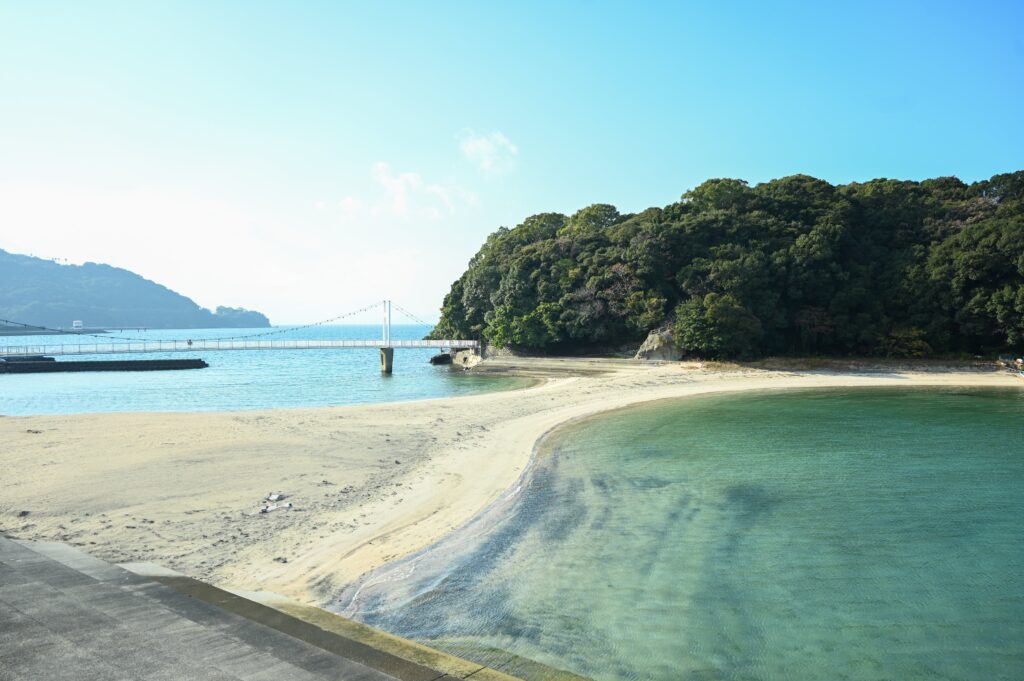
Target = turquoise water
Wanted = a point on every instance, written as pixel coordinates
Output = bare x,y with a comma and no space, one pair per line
248,379
861,534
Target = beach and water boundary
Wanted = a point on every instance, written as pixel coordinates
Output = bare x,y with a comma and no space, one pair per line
458,456
371,483
873,512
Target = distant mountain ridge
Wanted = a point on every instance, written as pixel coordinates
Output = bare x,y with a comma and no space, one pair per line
45,293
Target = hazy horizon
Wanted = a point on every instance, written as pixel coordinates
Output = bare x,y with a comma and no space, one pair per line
306,161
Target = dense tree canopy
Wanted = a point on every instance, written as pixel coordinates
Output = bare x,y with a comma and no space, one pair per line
791,266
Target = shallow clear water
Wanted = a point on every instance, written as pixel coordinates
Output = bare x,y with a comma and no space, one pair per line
247,379
841,534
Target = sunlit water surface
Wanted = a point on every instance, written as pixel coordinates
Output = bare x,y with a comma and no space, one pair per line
247,379
840,534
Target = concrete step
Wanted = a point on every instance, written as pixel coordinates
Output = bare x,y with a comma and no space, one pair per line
67,615
400,657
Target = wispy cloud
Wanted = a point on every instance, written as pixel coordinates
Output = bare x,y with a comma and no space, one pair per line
491,152
404,195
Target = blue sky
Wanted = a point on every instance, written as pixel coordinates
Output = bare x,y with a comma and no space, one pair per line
306,158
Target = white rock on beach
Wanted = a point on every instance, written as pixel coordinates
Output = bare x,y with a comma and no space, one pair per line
660,345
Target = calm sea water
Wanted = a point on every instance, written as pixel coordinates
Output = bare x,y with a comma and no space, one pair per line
250,379
855,534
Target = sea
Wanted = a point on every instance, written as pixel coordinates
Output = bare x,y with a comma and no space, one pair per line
242,379
860,534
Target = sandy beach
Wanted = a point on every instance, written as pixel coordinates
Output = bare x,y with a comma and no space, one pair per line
368,484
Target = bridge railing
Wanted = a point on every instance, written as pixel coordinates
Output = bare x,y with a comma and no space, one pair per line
217,345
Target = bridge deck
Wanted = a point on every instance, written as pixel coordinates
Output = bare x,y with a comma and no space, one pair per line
218,345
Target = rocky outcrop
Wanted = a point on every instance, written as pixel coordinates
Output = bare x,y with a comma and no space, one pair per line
660,345
457,359
466,359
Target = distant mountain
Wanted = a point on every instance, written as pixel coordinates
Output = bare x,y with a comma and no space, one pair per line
45,293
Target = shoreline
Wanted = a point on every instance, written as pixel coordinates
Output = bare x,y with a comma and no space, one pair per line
464,540
372,484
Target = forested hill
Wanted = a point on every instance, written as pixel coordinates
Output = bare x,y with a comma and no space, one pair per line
44,293
791,266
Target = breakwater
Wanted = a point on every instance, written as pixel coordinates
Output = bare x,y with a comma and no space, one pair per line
48,365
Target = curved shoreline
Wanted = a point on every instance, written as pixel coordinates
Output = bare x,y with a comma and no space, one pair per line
462,541
456,541
371,484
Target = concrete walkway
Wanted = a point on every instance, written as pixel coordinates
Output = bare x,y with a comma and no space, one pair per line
67,615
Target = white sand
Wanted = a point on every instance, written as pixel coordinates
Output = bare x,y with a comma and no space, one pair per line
369,483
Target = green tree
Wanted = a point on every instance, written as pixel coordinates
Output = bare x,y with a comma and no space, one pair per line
982,269
717,325
794,265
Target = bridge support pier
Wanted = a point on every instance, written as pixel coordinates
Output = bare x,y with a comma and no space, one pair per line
387,360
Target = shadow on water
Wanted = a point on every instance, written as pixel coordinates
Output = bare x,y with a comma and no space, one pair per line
439,603
749,502
724,597
474,597
826,544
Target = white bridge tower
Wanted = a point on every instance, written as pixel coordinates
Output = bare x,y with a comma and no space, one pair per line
387,352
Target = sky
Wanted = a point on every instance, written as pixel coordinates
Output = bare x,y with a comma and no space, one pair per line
306,159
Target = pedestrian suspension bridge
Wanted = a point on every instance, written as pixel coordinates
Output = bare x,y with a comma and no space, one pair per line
118,345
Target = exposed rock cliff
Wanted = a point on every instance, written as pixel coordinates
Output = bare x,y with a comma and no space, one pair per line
467,359
660,345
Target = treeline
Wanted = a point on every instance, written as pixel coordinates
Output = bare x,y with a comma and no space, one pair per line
791,266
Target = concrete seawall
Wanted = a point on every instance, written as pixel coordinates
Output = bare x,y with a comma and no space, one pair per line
68,616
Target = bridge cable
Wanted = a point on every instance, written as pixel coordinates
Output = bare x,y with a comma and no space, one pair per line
410,315
299,328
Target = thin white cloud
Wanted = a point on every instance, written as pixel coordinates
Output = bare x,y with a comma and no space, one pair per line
398,187
350,205
490,152
406,195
